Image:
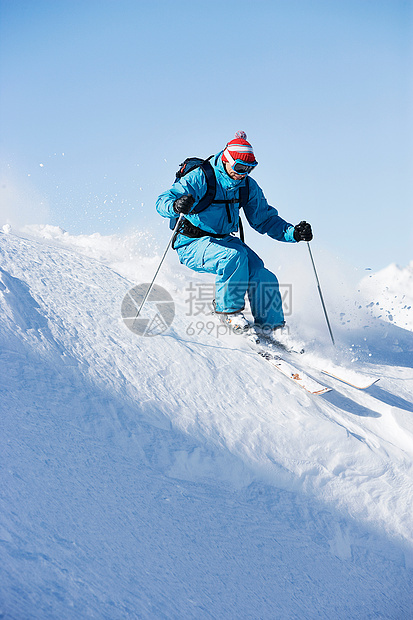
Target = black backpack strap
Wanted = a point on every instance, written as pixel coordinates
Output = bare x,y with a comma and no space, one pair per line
241,230
244,193
243,199
211,182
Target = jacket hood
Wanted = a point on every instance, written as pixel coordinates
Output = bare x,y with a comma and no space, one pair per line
224,177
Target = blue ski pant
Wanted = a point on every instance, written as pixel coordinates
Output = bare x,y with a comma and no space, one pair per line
238,271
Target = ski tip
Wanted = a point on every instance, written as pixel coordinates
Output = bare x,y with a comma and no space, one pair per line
323,391
364,387
362,382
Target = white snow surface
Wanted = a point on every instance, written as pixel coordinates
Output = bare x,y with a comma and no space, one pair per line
391,290
181,476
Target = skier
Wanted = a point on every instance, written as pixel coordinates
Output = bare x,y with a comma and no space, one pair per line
206,241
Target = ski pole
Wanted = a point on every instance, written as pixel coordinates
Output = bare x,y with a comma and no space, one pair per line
321,295
159,266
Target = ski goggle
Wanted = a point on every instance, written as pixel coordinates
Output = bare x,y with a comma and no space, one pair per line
238,165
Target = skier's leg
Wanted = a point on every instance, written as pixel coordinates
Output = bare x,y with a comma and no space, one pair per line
228,259
264,293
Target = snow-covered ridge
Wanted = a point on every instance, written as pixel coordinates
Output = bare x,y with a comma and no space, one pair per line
116,443
386,295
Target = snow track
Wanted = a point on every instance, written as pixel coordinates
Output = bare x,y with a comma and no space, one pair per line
178,477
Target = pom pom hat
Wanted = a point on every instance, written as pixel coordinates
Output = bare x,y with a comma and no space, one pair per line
239,148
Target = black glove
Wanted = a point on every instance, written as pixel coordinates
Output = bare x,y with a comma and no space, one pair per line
184,204
303,232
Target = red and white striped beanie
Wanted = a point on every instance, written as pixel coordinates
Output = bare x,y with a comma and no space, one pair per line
239,148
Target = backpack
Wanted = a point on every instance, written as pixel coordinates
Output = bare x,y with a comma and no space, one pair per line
190,164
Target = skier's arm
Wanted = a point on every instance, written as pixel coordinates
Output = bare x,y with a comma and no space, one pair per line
264,218
193,184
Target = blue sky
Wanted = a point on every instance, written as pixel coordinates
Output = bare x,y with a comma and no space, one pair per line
101,100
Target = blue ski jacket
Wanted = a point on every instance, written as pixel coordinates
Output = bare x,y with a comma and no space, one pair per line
219,218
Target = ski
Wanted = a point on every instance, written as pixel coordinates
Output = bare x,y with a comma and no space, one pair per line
269,351
350,377
275,352
292,372
345,375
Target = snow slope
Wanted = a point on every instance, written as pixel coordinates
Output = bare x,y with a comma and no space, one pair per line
181,476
